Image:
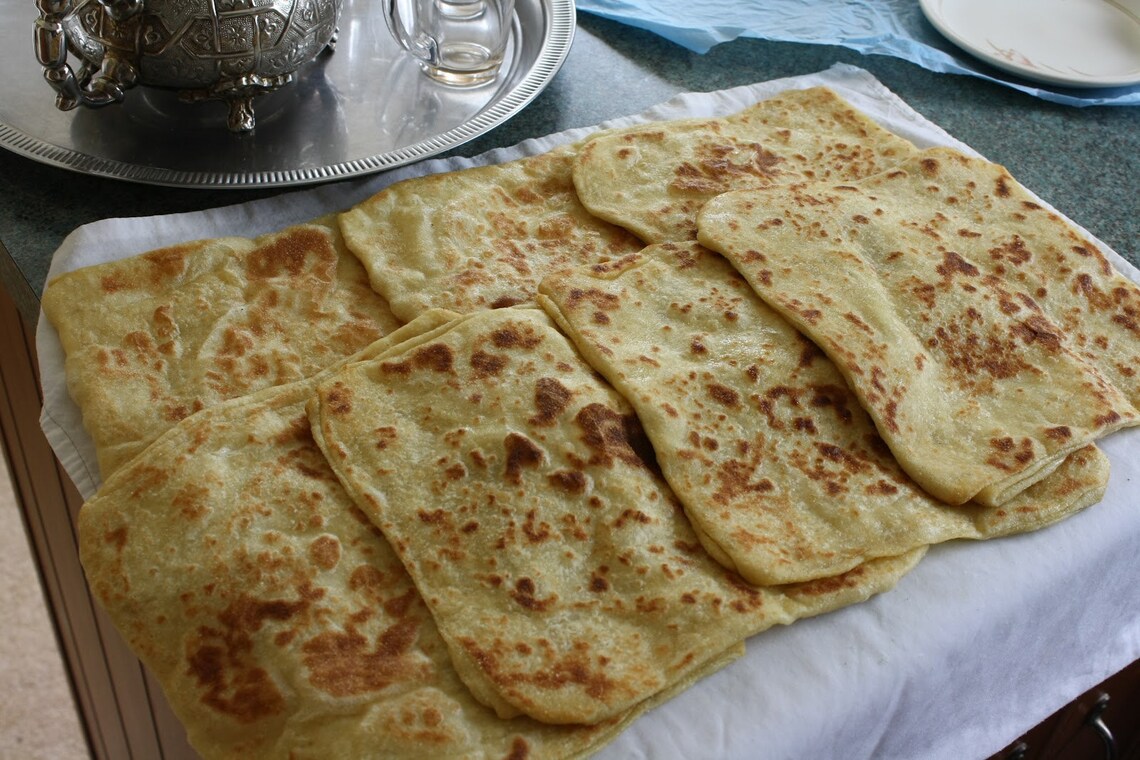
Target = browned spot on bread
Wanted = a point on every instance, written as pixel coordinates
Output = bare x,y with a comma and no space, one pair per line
809,351
969,352
324,551
166,264
613,437
858,322
551,398
369,581
722,394
632,515
486,364
882,488
832,396
385,436
192,501
1009,455
824,586
117,538
1110,418
564,669
714,168
734,480
223,663
521,452
433,517
520,749
1002,187
436,357
512,336
1014,251
570,481
287,254
1039,330
536,530
846,459
342,663
524,596
507,301
600,299
1060,433
953,263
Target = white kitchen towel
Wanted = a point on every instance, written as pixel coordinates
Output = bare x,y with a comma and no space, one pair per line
975,646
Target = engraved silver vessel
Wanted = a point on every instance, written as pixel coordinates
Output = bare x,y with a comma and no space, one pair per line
226,50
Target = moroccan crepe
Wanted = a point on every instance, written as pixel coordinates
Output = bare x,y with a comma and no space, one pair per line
908,281
277,619
156,337
652,179
478,238
519,491
778,467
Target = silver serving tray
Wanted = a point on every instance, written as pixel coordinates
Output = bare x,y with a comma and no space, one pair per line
364,108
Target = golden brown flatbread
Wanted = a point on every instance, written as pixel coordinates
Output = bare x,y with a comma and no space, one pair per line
478,238
277,619
519,491
652,179
153,338
908,282
780,470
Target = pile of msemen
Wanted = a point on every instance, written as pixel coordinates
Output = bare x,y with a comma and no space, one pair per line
495,461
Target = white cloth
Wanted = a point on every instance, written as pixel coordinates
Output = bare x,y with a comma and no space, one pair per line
979,643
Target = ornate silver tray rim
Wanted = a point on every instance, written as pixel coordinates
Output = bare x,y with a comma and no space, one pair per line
547,28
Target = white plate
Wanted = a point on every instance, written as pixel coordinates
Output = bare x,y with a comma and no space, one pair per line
1072,43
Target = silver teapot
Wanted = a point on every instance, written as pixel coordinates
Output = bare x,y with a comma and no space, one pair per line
227,50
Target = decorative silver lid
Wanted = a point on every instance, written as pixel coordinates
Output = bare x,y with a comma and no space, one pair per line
228,50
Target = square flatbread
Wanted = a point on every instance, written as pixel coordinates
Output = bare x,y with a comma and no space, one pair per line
277,619
780,470
153,338
478,238
519,491
910,281
652,179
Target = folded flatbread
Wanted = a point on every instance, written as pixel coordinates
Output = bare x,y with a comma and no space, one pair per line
910,282
780,470
652,179
519,491
277,619
478,238
156,337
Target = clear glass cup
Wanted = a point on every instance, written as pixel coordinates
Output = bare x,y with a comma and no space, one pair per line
457,42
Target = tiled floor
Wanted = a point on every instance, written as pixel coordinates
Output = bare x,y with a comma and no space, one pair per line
37,714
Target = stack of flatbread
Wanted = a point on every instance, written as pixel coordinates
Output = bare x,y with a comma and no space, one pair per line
961,312
493,462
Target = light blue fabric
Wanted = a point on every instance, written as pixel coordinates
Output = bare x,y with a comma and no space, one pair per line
882,27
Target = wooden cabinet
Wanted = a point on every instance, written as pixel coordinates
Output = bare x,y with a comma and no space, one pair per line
1104,722
121,709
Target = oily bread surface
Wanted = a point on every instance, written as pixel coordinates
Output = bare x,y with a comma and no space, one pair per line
153,338
968,378
780,470
520,493
652,179
478,238
274,614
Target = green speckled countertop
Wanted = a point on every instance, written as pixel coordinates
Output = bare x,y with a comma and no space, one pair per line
1084,161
